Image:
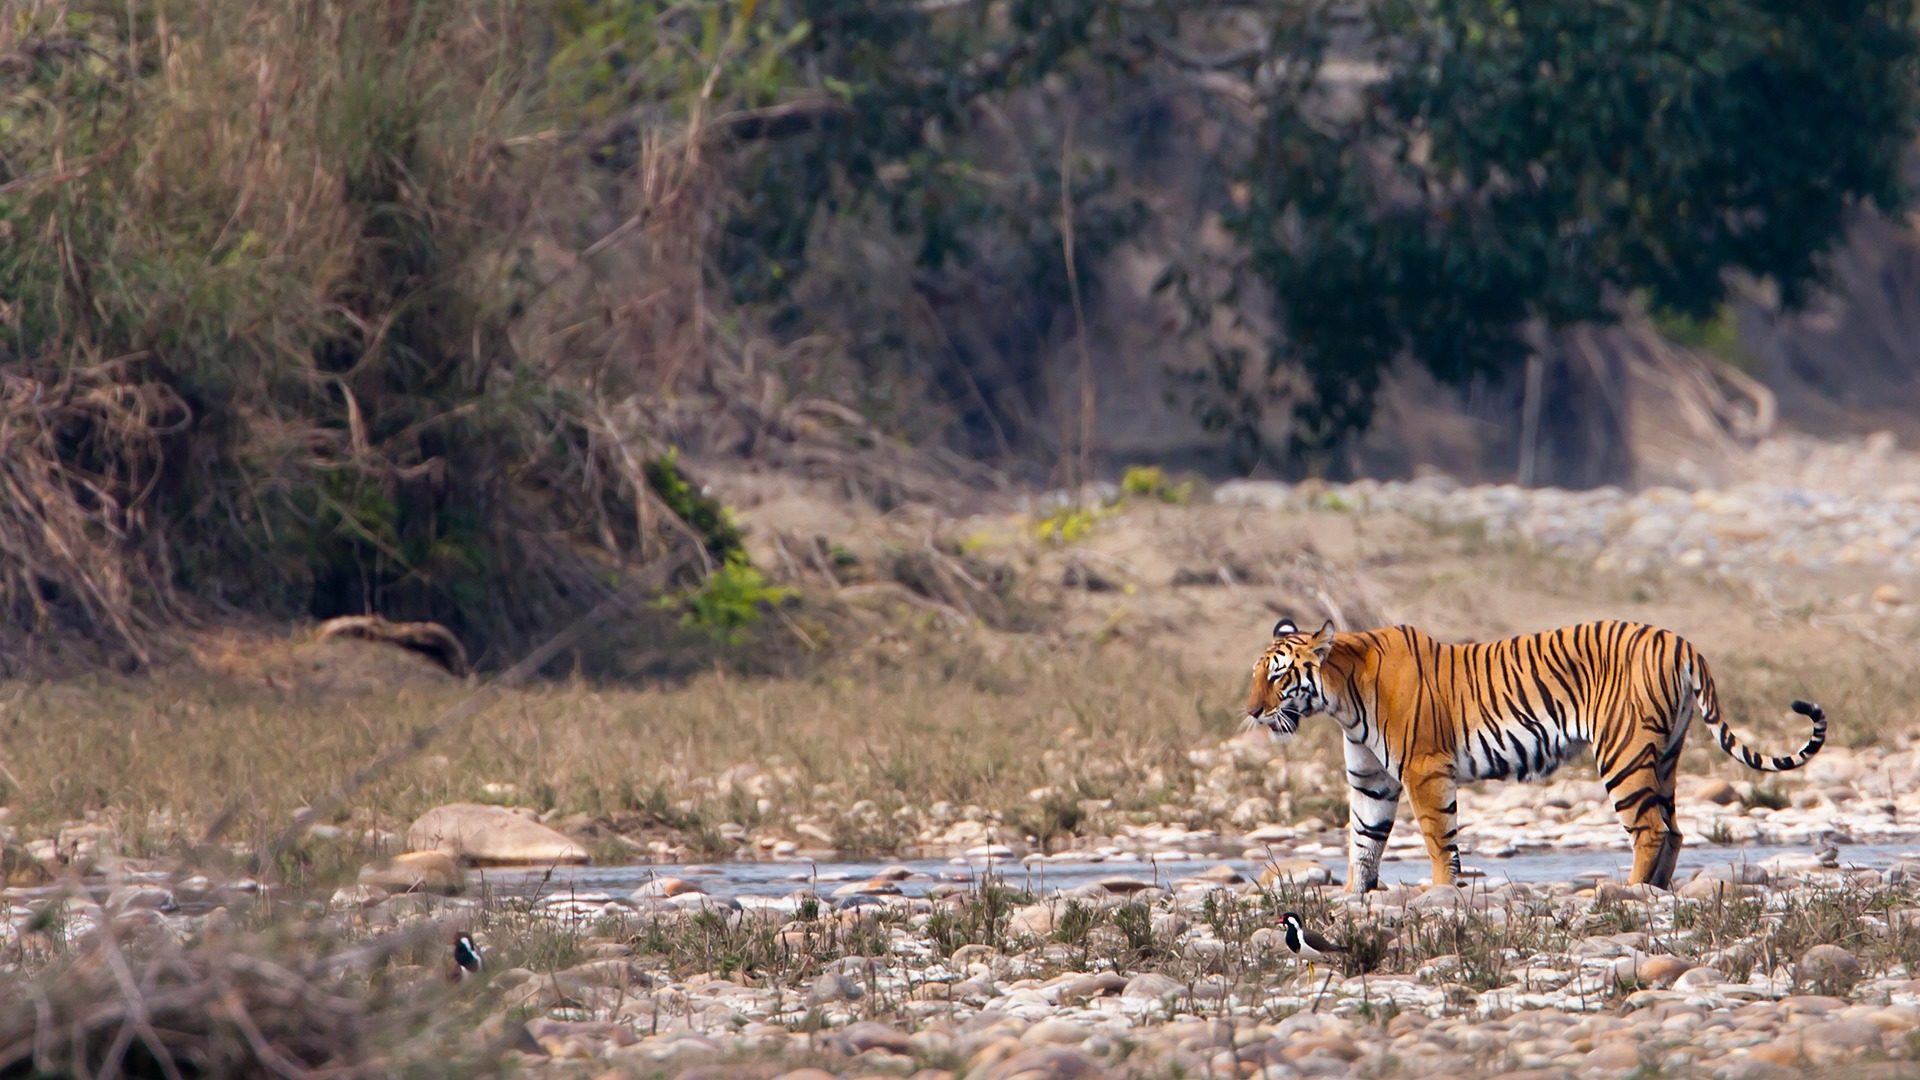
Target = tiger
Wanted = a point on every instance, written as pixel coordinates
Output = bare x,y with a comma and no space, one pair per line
1422,716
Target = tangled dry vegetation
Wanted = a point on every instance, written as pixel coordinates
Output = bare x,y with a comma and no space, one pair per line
132,998
309,331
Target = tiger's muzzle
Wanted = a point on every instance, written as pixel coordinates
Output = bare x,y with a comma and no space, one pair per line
1281,723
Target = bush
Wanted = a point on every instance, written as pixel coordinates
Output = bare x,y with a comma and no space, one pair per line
1151,482
258,334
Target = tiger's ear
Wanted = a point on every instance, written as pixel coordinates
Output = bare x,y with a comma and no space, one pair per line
1284,627
1323,640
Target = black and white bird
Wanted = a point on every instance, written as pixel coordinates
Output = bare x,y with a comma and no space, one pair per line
1307,944
466,957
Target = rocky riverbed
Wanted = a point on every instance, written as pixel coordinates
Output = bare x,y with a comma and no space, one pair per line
1808,506
1741,972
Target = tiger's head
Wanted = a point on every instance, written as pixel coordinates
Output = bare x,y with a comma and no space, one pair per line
1286,680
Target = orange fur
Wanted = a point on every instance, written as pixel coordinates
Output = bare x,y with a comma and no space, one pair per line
1421,716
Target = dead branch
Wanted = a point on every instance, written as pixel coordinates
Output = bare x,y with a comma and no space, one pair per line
429,639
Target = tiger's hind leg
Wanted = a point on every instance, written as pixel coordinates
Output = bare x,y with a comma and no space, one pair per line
1669,856
1643,789
1434,794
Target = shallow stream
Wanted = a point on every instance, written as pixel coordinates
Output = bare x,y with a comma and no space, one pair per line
779,878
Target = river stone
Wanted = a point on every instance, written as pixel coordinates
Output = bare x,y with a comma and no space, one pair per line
1151,985
1717,791
415,871
1614,1057
349,897
1079,990
1703,887
1057,1030
491,836
1034,919
1297,871
616,972
1848,1035
662,888
140,898
833,986
1699,978
868,1035
1830,965
1049,1063
872,887
1660,971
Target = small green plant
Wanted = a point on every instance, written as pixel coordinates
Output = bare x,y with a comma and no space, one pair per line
1769,796
730,600
1068,524
1717,334
981,920
702,512
1056,816
1135,923
1151,482
1075,924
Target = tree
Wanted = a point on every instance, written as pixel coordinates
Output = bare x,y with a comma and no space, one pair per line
1513,165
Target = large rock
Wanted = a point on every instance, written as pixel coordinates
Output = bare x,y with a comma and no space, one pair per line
415,871
491,836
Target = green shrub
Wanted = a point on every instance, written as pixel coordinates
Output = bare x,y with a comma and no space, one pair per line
1151,482
1068,524
731,600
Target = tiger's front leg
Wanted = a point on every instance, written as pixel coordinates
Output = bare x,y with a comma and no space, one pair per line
1373,798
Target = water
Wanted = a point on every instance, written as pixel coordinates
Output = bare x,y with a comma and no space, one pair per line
777,879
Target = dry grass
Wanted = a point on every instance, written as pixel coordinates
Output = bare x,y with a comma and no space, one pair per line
910,726
290,1001
1048,736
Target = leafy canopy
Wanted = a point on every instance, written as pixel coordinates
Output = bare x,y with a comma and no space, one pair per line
1511,162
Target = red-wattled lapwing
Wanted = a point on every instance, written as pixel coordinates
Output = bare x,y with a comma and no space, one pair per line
1308,945
466,958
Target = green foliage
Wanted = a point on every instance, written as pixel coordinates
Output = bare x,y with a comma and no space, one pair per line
1766,796
980,920
613,55
1058,815
1068,524
1151,482
731,600
1523,162
702,512
1135,923
1717,334
1076,923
